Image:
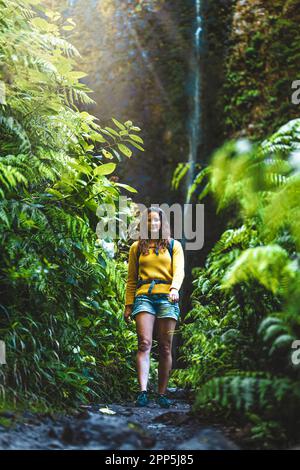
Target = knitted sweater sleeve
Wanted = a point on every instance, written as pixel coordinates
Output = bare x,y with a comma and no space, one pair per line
132,275
178,265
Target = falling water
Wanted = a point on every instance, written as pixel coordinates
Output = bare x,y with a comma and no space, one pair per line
194,122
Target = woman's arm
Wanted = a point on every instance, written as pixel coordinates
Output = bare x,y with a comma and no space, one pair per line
178,265
132,275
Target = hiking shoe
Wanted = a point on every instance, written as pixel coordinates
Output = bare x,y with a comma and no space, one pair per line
142,399
163,401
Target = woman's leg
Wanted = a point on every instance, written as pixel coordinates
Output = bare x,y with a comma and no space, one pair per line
165,331
144,328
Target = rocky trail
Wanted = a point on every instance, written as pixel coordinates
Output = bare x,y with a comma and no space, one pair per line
115,426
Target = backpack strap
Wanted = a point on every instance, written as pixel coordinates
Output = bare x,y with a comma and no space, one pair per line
170,248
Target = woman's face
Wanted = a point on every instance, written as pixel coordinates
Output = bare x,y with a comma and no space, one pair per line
153,221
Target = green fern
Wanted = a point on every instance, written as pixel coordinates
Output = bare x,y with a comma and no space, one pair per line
59,292
245,303
12,130
269,265
274,397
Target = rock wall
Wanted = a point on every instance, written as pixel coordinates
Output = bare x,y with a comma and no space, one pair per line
262,60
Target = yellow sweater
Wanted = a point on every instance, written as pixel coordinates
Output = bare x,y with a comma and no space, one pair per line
154,266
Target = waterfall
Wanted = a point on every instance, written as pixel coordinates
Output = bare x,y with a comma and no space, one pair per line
195,114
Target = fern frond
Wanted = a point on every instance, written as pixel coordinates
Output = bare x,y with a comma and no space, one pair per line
269,265
241,236
13,129
256,394
50,42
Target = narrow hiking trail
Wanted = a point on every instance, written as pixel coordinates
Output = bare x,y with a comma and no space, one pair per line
115,426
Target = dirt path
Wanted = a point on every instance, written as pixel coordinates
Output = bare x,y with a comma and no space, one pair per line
115,426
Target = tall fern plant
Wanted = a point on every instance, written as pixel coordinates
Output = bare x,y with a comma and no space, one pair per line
245,318
61,305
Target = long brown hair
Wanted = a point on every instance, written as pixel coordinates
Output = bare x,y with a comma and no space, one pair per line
164,231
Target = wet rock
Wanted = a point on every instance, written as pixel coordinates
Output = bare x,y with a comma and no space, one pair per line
55,445
127,412
31,418
147,428
7,414
179,393
208,439
68,435
52,433
175,418
127,446
82,414
110,432
5,443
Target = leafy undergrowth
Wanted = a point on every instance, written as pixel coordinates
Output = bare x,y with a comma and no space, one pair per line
241,336
61,289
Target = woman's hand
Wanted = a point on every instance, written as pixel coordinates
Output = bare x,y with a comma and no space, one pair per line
127,313
174,295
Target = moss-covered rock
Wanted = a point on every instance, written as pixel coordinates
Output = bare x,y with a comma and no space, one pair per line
262,61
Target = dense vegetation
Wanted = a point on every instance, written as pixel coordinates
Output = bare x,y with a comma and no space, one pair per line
250,60
261,62
239,335
61,291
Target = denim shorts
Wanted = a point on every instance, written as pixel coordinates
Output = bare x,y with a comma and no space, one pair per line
157,304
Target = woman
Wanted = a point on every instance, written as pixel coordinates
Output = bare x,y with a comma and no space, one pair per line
152,293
